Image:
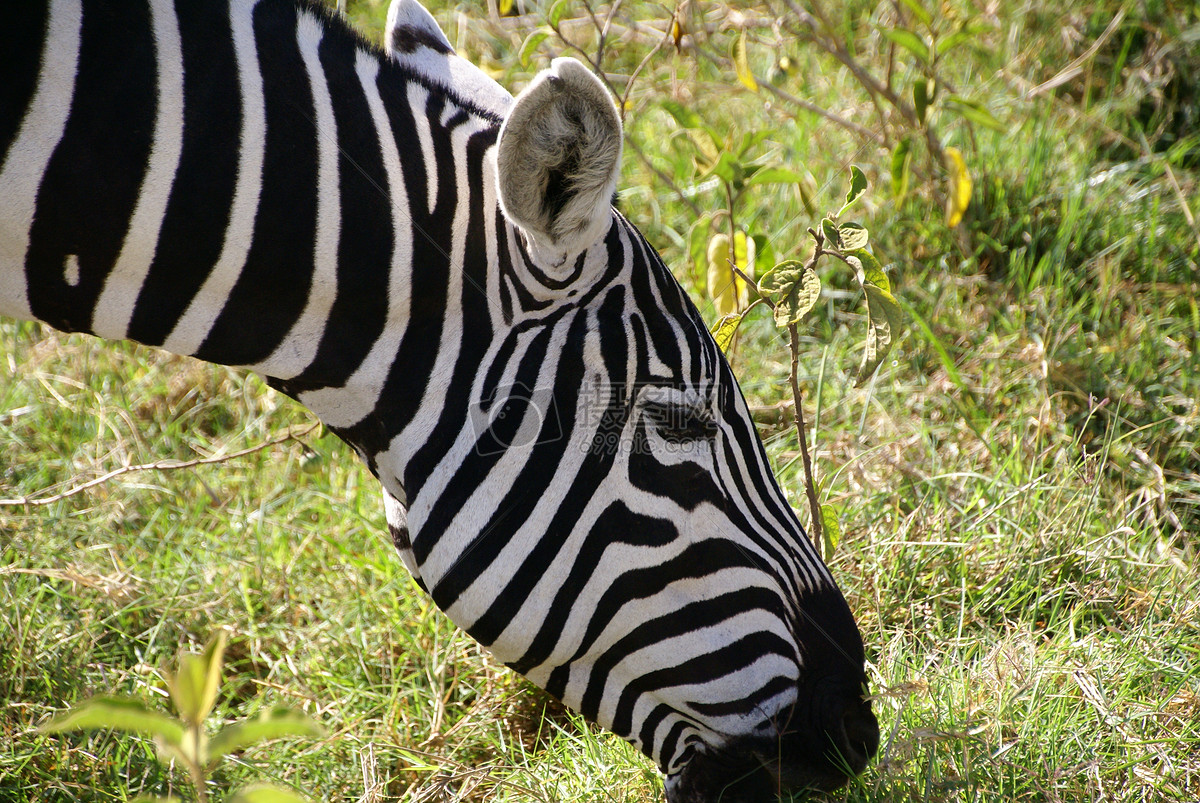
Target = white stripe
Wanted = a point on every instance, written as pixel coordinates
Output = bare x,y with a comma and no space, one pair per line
344,407
114,310
189,333
433,400
418,101
299,347
27,159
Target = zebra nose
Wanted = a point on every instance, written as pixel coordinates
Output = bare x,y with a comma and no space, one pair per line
854,733
832,737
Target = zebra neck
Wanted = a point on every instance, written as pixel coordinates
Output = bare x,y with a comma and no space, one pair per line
250,184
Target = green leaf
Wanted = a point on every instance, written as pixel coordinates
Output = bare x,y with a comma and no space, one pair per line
530,45
274,724
858,185
868,268
267,793
702,135
952,41
921,99
829,229
853,236
976,112
774,175
698,250
752,140
728,169
901,168
884,317
918,10
724,330
156,799
796,289
741,63
908,40
555,14
808,189
194,686
764,258
116,713
504,7
831,529
684,116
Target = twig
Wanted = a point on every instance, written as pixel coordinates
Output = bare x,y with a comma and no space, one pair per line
810,488
670,182
158,465
1073,69
666,37
720,61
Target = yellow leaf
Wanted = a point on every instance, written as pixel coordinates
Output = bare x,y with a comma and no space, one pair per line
728,291
725,329
741,63
960,187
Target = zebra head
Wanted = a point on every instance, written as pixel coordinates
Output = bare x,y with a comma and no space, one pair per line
635,556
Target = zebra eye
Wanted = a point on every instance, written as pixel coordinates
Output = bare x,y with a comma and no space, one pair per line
677,424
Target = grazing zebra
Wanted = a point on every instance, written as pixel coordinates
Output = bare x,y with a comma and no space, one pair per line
435,269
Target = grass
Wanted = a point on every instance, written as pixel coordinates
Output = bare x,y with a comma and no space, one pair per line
1019,486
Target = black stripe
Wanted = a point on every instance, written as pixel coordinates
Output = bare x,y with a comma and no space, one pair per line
729,659
408,376
474,304
407,39
616,525
272,290
697,560
92,182
365,248
22,36
198,210
542,464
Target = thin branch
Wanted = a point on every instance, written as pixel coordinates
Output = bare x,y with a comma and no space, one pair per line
670,182
836,49
666,37
783,95
720,61
810,489
158,465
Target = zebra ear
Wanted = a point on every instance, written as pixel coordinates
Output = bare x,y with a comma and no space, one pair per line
414,39
558,158
410,27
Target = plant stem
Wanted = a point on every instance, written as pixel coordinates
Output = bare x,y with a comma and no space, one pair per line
195,770
810,489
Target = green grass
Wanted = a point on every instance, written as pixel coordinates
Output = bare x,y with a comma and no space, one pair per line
1019,486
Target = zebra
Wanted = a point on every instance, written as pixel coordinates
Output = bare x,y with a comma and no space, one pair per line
435,269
